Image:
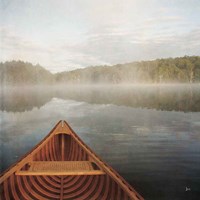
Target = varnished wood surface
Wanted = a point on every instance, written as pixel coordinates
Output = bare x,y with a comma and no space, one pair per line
60,147
59,168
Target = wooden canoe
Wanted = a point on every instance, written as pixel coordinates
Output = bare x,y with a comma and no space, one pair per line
61,166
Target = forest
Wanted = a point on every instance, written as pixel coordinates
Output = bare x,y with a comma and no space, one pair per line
169,70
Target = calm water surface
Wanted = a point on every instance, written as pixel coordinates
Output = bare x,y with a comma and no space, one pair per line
149,134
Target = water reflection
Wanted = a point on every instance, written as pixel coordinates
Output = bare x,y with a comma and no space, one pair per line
161,97
156,151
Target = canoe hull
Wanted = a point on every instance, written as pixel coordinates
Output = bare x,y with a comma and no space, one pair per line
65,156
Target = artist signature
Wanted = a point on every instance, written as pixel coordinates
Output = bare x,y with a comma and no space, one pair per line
187,189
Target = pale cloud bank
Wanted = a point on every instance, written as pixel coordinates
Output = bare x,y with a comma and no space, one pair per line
73,34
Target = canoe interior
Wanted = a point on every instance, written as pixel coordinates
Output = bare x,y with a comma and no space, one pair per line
64,150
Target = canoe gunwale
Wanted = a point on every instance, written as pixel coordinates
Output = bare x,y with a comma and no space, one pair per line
62,127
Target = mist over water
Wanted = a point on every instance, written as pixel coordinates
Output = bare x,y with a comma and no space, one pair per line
177,97
148,133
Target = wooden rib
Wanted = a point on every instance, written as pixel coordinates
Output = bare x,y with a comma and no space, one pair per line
118,195
113,191
43,154
70,151
99,188
68,179
29,188
81,190
47,184
13,188
76,151
124,196
51,151
21,189
51,181
56,179
106,191
76,179
90,189
46,155
62,148
67,145
47,152
6,193
42,191
61,189
73,150
53,148
39,155
71,186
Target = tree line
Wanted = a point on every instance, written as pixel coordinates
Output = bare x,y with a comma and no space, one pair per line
183,70
169,70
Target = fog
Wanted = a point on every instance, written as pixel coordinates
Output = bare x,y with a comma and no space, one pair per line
177,97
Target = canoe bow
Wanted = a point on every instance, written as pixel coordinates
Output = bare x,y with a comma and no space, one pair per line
62,166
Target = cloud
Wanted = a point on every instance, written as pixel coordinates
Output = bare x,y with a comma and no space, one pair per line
126,46
109,46
14,42
76,34
164,19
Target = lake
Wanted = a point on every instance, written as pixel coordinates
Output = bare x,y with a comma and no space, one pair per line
150,134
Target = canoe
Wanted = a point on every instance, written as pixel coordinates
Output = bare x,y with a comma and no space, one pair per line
62,167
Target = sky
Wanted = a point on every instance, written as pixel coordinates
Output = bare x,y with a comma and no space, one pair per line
68,34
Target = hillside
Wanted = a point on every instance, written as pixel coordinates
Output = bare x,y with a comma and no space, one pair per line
185,69
23,73
182,70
